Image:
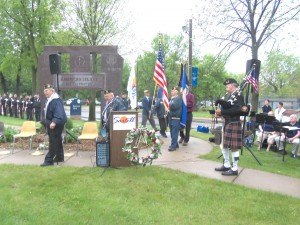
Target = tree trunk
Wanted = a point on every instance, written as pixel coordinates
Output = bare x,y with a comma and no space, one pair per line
3,82
33,75
18,80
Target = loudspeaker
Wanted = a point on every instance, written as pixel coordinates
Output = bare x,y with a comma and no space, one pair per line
54,60
249,65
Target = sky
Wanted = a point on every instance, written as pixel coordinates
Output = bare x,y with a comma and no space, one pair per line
168,16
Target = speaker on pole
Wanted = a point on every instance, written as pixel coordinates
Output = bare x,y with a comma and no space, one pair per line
55,63
249,65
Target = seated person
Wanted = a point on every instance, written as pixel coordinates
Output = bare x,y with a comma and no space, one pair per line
264,131
292,136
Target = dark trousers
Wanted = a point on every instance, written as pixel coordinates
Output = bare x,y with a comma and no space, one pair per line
162,125
15,111
37,115
186,136
4,110
174,130
145,118
55,145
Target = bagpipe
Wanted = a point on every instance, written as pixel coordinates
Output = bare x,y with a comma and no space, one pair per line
223,104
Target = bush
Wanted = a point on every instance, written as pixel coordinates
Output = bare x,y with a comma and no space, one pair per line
8,135
69,124
73,133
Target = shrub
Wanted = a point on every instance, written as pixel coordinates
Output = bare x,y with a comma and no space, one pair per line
69,124
72,134
8,135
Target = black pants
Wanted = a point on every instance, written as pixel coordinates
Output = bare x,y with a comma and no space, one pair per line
186,136
162,125
37,115
55,145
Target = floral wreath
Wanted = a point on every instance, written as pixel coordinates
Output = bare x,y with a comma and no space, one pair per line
137,139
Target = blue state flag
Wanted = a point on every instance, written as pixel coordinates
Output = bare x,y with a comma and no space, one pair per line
184,93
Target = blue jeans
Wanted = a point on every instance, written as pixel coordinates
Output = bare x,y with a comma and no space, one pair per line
174,130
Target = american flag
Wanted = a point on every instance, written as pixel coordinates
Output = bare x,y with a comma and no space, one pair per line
253,80
160,77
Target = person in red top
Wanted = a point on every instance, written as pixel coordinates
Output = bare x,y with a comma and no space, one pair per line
190,103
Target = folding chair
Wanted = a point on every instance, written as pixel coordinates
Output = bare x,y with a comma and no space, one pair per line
28,129
89,132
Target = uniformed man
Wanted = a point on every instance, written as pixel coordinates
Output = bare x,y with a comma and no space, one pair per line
14,103
37,107
174,117
29,107
231,111
9,105
21,106
3,103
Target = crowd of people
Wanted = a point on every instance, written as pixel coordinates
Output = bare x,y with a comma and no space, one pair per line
279,129
24,107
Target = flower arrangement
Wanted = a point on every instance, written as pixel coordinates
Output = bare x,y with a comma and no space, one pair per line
137,139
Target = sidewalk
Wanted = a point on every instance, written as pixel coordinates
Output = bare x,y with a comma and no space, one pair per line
185,159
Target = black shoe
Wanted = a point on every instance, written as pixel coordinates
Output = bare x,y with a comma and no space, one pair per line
180,140
171,149
47,164
293,155
222,168
230,173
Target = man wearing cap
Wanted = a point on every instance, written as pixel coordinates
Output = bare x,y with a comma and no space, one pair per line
147,113
55,119
174,116
231,111
112,103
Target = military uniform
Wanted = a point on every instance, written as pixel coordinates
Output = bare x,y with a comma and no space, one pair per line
14,103
37,108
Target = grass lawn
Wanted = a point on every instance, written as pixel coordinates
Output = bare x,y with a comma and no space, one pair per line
137,195
271,161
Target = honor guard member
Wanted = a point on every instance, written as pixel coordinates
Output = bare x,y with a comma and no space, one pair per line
3,103
231,111
9,105
14,103
21,106
125,101
190,104
37,107
112,104
147,113
29,107
161,115
174,117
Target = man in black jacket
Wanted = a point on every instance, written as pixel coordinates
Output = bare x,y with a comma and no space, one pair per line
231,111
55,119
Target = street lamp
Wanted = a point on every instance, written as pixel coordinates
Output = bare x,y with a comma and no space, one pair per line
188,29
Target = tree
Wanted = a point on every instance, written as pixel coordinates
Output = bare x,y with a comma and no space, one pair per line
244,23
95,24
29,24
280,75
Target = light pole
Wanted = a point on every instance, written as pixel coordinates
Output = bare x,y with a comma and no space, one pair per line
188,29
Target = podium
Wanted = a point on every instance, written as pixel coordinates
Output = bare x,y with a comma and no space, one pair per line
121,122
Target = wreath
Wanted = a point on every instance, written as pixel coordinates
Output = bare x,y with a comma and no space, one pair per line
140,138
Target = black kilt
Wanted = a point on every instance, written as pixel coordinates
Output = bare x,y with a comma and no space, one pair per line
233,136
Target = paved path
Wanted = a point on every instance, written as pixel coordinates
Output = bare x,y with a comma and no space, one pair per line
185,159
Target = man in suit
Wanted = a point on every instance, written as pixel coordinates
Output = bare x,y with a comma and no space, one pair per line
161,115
147,113
112,103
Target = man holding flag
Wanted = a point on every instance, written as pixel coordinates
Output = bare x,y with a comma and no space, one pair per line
187,110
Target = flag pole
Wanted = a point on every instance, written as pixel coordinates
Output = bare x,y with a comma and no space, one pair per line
152,100
136,72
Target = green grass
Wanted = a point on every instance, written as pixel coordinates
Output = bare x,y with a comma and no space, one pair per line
137,195
271,161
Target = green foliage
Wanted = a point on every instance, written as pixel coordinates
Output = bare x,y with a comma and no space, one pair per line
75,132
69,124
280,75
8,135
